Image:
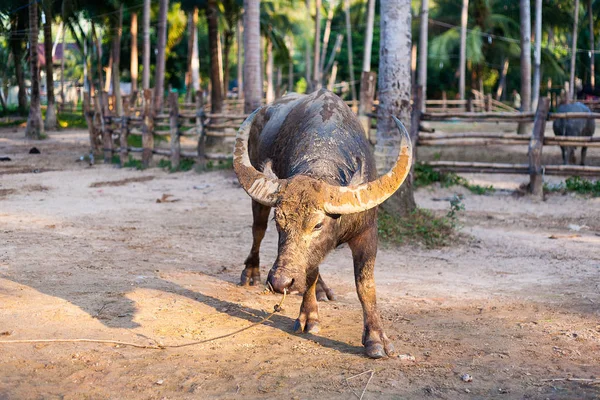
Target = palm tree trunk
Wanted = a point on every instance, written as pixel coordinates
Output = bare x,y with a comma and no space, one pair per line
317,52
572,91
463,49
159,78
62,65
227,42
108,80
537,64
252,72
592,46
291,65
35,128
326,35
350,56
216,98
394,94
188,73
146,49
307,56
18,25
525,62
195,55
50,124
423,51
279,84
269,72
502,81
116,71
240,66
369,36
98,65
133,69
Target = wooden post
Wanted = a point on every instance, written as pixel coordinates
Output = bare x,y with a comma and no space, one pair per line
124,131
488,103
470,104
174,119
89,119
536,173
444,100
107,144
367,95
147,129
200,128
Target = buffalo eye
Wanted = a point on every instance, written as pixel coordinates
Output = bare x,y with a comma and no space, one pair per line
318,226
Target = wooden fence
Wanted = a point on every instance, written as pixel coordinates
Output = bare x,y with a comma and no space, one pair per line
535,168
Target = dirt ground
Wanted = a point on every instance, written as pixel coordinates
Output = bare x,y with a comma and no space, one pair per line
87,252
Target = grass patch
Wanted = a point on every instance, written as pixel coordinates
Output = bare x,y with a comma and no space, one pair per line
136,140
216,165
425,175
575,184
71,120
421,226
185,164
133,163
14,122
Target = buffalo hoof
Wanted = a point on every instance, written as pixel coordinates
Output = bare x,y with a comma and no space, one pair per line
324,293
250,276
306,326
378,346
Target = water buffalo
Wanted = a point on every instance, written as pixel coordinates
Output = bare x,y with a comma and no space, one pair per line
573,127
307,157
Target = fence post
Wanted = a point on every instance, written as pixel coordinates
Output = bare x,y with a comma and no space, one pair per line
444,101
147,129
124,131
488,103
470,104
536,144
174,120
200,129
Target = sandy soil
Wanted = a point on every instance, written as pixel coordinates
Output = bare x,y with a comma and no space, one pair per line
87,252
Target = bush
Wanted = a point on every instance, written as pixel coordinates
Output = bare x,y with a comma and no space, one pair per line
575,184
421,226
425,175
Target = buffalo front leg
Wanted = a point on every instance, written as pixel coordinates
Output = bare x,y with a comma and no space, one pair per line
324,293
364,251
308,320
251,274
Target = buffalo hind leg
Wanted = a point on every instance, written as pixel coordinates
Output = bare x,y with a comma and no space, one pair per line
364,251
583,154
308,320
251,274
324,293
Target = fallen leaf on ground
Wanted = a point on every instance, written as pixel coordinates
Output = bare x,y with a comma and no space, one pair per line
166,198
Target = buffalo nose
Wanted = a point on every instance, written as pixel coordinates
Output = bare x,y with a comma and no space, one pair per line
279,282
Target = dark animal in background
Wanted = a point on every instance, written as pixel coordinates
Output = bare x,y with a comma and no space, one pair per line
573,127
307,157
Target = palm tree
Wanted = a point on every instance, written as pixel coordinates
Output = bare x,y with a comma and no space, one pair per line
146,50
537,55
134,52
463,48
574,52
116,54
525,61
34,129
317,52
212,18
18,24
252,59
159,79
394,88
424,21
50,122
592,58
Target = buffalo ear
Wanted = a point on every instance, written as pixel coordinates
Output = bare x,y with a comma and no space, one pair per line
268,170
357,177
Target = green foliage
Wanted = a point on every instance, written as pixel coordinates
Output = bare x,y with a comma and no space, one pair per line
69,120
420,227
216,165
185,164
133,163
425,175
575,184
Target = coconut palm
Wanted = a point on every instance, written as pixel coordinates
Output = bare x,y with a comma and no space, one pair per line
394,95
252,59
35,128
50,123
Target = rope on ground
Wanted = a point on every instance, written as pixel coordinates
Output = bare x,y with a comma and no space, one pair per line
277,308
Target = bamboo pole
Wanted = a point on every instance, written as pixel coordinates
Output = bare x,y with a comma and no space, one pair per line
571,115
